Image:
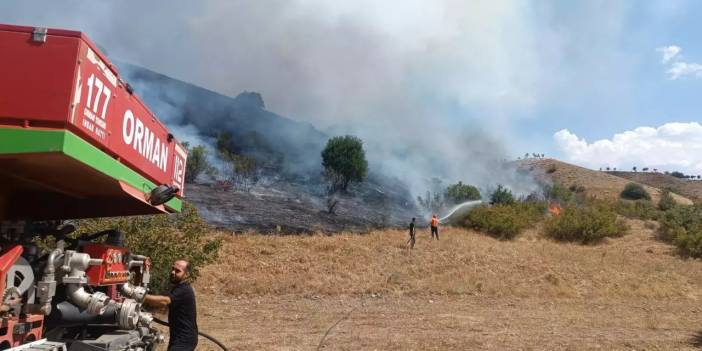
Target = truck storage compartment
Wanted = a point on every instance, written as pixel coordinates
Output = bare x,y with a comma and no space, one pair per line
73,135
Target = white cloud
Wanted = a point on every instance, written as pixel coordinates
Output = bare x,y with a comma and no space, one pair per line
669,52
672,146
676,68
682,69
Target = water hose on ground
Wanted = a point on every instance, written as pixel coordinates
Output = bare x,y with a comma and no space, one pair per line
209,337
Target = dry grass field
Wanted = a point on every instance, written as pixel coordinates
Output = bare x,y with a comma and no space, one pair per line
466,291
691,189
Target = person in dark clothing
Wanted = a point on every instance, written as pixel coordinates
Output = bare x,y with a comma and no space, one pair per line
434,227
182,309
412,232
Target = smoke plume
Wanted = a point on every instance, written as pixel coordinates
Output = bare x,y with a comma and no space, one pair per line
430,86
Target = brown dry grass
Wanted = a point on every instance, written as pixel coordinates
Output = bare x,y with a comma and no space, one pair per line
467,291
687,188
462,263
597,184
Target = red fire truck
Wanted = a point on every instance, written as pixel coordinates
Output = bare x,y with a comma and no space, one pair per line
75,142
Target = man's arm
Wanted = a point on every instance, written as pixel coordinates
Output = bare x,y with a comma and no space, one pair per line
157,301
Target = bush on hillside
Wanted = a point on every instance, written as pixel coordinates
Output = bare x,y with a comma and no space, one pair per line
558,192
585,224
504,221
682,226
576,188
459,192
164,238
667,201
634,191
501,196
197,163
240,170
641,209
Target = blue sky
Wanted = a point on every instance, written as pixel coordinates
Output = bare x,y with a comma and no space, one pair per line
619,83
516,71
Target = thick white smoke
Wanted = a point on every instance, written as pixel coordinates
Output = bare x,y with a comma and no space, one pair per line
430,86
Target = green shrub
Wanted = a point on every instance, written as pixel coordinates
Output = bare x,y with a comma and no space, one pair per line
197,163
585,224
559,193
640,209
164,238
682,226
666,202
504,221
501,196
635,191
459,192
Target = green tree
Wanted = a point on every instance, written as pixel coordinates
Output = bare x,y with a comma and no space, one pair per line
164,238
459,192
197,163
501,196
344,161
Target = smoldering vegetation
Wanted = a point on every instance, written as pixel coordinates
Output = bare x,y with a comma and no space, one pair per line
286,192
424,107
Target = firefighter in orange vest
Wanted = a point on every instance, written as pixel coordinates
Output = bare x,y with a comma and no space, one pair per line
434,227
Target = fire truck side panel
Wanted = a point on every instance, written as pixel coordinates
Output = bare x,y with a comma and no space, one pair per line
66,83
32,87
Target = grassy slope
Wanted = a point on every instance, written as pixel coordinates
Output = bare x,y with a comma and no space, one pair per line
597,184
689,189
463,262
467,291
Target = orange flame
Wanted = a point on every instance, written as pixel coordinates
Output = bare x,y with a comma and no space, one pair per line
554,209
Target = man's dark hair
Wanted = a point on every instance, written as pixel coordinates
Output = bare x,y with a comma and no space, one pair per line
412,219
188,267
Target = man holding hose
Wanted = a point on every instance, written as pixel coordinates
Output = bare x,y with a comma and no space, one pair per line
434,227
182,311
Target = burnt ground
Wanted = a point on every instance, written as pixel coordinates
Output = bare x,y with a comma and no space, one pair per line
281,206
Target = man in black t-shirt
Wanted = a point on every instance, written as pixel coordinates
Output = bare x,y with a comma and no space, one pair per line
182,311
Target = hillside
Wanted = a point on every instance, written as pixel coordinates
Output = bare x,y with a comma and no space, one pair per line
597,184
292,208
691,189
467,291
289,196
